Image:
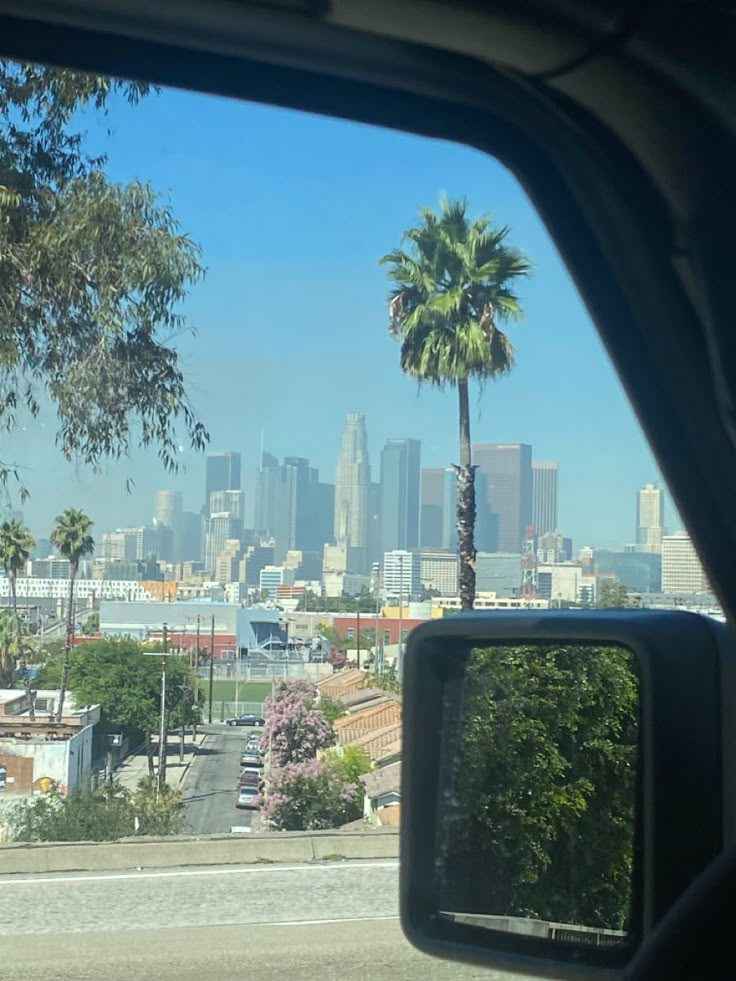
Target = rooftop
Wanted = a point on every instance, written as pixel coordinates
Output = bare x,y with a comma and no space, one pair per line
384,780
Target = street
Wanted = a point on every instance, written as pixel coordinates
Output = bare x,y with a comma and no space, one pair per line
317,922
209,786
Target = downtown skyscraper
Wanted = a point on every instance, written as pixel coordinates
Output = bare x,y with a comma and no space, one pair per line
223,473
545,474
650,528
352,484
506,498
399,494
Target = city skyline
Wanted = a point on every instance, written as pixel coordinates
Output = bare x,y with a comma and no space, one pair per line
249,477
253,365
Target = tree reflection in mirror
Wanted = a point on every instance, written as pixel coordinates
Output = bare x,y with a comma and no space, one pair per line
538,791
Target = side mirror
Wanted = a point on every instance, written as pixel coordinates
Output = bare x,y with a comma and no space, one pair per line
563,782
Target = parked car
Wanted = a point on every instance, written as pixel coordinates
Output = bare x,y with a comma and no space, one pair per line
249,778
246,720
253,744
251,759
247,797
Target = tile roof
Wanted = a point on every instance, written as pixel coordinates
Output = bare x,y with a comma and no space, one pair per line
384,780
374,741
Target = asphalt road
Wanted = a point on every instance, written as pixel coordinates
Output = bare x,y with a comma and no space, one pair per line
209,787
328,922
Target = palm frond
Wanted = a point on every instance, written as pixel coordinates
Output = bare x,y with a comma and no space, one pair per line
453,280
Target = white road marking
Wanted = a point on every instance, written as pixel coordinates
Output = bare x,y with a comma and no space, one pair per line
333,920
259,870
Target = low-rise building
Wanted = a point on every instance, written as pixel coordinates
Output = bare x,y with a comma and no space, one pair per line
382,798
190,623
34,752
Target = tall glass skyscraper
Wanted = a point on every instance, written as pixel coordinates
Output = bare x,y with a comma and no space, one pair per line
352,481
399,501
507,469
223,473
545,475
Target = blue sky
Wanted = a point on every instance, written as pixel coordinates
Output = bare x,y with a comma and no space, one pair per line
292,212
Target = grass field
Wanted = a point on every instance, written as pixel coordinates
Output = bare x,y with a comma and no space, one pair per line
248,691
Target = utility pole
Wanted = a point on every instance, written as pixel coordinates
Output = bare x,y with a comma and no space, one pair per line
196,676
212,668
163,730
399,658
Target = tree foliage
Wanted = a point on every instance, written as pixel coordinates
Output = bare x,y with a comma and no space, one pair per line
104,814
295,729
125,682
16,544
365,602
331,708
91,277
541,821
351,762
310,796
613,595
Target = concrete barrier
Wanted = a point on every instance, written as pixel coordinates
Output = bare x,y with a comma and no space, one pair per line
184,850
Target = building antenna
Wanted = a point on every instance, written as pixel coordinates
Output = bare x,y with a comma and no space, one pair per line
261,464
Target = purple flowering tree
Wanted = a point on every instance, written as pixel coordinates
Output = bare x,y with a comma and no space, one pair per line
295,730
310,796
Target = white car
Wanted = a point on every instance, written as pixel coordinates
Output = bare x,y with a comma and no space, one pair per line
247,797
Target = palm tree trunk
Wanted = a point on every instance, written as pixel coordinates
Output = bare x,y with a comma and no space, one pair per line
68,645
30,695
465,506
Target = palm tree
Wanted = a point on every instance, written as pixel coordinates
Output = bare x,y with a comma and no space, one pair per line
71,536
16,545
8,648
452,285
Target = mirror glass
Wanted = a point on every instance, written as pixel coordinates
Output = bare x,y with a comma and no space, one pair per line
539,792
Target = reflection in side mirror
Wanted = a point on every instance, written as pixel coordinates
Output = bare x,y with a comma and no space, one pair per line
563,782
538,791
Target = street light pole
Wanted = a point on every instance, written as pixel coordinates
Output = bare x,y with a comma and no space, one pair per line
163,729
212,667
358,632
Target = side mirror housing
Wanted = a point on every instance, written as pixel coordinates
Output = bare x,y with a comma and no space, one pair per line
566,776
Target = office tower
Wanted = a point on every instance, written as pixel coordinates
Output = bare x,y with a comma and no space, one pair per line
223,473
227,566
155,542
650,518
499,573
552,547
232,501
168,510
220,528
399,496
352,483
168,513
439,571
507,470
120,544
257,557
545,475
323,514
191,534
402,575
292,506
432,504
681,568
268,476
639,572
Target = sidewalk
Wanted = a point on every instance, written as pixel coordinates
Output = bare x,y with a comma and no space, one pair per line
135,767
